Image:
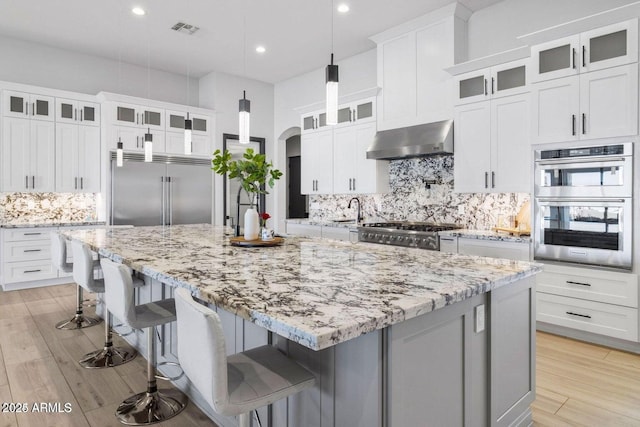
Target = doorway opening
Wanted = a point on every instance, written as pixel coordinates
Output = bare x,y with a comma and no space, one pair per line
297,203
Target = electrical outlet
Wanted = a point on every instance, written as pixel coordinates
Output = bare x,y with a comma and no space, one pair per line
479,310
461,209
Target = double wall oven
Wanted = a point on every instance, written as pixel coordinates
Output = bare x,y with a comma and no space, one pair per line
583,205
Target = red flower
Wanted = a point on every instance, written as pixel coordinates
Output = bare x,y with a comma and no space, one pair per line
265,216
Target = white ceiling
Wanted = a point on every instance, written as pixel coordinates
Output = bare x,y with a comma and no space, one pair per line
296,33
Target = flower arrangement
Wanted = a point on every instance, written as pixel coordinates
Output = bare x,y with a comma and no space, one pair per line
263,219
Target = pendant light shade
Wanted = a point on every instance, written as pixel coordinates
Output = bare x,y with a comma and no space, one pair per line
148,146
332,93
244,118
188,126
119,154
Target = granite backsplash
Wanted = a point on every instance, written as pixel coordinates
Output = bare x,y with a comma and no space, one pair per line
54,207
410,198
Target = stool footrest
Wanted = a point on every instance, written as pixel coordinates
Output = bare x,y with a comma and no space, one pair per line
162,377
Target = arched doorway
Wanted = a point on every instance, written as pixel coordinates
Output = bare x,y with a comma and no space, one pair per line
281,192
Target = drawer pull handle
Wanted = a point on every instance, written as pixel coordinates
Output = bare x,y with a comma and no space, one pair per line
32,250
571,282
579,315
32,234
32,271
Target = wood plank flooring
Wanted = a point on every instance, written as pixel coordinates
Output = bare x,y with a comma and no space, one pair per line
578,384
38,363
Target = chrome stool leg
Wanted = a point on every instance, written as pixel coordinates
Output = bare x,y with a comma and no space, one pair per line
79,320
109,356
153,405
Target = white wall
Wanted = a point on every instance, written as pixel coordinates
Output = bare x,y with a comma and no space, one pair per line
495,28
36,64
221,92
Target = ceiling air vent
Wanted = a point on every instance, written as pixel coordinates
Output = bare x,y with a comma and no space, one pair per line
181,27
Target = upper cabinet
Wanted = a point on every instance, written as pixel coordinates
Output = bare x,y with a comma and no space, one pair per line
137,116
411,61
494,82
593,50
77,112
28,106
362,111
200,123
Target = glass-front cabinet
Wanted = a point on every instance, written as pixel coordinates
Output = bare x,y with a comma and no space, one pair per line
351,113
597,49
138,116
199,122
78,112
28,106
501,80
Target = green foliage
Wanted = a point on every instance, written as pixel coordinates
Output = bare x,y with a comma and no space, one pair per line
253,171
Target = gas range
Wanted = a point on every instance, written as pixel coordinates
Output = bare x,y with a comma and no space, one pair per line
423,235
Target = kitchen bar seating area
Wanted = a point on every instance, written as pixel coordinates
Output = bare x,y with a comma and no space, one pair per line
426,217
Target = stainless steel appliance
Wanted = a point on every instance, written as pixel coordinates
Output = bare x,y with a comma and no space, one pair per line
169,190
583,205
421,235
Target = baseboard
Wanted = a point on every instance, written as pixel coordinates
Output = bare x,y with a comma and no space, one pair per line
37,284
616,343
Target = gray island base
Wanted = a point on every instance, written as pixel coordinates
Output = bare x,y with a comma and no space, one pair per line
396,337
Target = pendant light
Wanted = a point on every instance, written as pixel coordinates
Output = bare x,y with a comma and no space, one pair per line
148,146
119,154
332,84
244,105
188,126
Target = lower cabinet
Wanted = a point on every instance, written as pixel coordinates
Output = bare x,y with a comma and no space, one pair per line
588,299
490,248
326,232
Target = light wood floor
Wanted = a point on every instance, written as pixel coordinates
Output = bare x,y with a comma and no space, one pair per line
578,384
38,363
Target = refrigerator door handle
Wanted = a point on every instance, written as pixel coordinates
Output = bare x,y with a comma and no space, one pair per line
164,201
170,200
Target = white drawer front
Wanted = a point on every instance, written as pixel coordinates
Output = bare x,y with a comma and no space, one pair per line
21,234
27,250
494,248
26,271
605,319
304,230
337,233
590,284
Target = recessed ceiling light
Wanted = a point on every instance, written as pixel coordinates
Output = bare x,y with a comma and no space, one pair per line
261,49
343,8
138,11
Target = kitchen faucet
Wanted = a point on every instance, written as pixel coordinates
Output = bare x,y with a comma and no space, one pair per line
358,215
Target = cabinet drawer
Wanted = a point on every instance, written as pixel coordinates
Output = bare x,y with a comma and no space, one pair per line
304,230
27,250
599,318
26,271
589,284
495,249
336,233
20,234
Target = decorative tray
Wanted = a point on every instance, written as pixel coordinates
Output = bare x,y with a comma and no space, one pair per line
514,231
240,241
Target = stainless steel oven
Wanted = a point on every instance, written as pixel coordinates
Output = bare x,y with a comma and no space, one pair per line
583,205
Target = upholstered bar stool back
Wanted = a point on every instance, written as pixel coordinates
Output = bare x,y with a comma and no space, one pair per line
59,261
153,405
240,383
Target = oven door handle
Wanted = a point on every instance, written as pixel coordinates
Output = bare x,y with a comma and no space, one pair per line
572,200
553,162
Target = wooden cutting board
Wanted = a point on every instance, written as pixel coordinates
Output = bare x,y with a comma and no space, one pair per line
523,222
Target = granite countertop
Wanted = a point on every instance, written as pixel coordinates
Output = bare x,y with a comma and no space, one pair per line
486,235
307,221
315,292
35,224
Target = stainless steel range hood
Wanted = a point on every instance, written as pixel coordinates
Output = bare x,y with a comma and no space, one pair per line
414,141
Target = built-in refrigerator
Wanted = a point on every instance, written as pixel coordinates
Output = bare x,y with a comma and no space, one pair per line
168,191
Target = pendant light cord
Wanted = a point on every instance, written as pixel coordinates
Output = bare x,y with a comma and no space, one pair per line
332,1
244,39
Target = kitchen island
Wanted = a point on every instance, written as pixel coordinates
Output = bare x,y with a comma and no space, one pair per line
395,336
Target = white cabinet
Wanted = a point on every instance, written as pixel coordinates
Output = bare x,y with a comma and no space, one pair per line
306,230
588,299
133,138
201,124
26,255
28,153
492,149
593,50
28,106
494,82
77,158
200,145
137,116
353,173
362,111
77,112
592,105
519,251
316,157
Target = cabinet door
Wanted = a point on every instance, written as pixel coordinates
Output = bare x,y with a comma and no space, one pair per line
175,142
67,158
510,146
201,124
472,87
200,145
398,81
609,102
609,46
132,138
175,120
344,160
152,118
42,107
67,111
15,154
126,115
308,123
88,159
558,58
89,113
307,165
472,160
555,106
372,175
159,145
509,79
42,155
16,104
316,151
364,111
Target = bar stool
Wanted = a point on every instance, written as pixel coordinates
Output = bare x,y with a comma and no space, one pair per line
153,405
59,260
240,383
109,355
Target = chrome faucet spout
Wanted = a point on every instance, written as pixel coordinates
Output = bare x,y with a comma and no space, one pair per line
358,213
